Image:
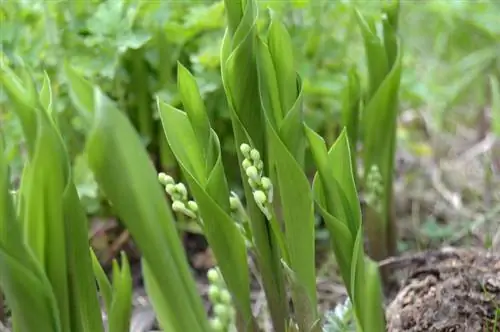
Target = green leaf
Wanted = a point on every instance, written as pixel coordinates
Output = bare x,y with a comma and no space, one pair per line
351,113
376,54
46,94
81,93
121,165
167,318
54,225
241,86
22,93
22,278
286,151
121,305
212,196
43,219
102,280
336,197
194,107
281,51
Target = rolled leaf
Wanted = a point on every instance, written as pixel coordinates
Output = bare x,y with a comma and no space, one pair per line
280,87
210,191
240,82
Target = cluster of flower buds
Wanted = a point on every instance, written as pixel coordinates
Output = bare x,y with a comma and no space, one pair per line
223,310
178,194
375,188
262,186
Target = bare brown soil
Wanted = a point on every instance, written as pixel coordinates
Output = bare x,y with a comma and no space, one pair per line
446,290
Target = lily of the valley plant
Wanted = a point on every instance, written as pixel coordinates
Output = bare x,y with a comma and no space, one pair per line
46,247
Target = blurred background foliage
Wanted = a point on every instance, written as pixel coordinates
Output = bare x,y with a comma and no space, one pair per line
131,49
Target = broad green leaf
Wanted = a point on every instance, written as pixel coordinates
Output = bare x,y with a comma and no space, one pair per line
212,196
22,278
81,93
43,219
234,11
23,95
336,179
53,222
30,299
281,51
241,86
331,205
351,113
182,137
357,285
167,318
298,214
376,56
286,151
194,107
379,123
86,311
390,28
123,170
373,310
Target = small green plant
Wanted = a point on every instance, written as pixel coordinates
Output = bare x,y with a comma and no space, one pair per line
370,116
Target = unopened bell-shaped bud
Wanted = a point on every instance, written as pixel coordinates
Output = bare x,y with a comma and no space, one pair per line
245,149
225,296
253,173
165,179
178,206
260,196
216,324
255,155
193,206
181,189
214,293
170,188
213,276
267,185
246,163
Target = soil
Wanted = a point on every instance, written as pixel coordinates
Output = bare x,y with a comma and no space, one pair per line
446,290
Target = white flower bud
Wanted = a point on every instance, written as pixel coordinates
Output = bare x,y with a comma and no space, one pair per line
253,173
165,179
245,149
221,311
260,165
216,324
213,276
214,293
193,206
178,206
234,202
225,297
181,189
169,188
255,155
246,163
260,197
267,185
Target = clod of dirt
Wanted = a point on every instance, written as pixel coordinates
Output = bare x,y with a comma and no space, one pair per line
451,290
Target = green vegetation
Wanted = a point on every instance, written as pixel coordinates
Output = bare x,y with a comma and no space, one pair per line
244,121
